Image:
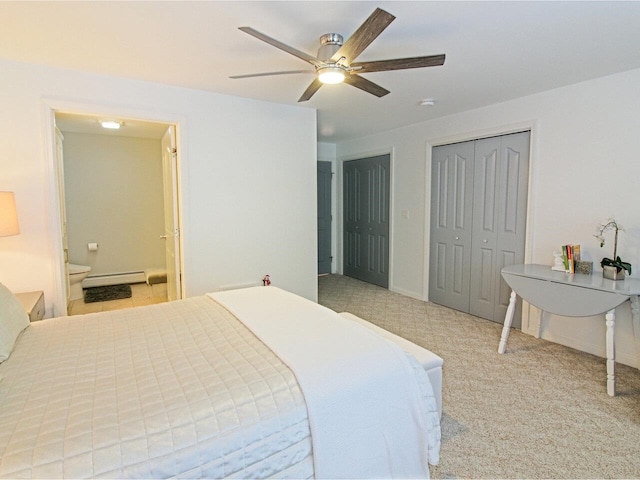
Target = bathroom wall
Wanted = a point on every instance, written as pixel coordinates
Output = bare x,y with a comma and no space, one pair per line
114,197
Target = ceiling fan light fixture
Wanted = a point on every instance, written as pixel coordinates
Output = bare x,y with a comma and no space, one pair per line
331,75
335,60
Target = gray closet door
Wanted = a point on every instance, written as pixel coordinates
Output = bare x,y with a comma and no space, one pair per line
366,219
324,217
499,220
495,197
451,225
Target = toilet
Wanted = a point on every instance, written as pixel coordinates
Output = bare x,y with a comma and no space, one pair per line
77,273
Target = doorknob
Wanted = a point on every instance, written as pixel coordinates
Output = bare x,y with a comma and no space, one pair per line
457,238
163,237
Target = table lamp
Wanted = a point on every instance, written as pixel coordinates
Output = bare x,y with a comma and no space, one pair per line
8,215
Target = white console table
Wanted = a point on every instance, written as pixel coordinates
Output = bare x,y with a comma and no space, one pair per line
572,295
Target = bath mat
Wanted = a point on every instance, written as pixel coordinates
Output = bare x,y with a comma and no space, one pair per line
109,292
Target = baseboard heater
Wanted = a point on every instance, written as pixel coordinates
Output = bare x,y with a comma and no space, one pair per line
113,279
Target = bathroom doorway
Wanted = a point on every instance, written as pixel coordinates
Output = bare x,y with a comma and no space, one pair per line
115,187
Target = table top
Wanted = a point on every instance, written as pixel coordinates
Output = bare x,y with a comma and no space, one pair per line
628,286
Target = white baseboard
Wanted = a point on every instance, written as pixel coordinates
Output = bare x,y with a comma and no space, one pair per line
406,293
113,279
531,318
598,349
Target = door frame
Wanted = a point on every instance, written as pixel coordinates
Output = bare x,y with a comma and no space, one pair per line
49,107
171,235
340,207
532,127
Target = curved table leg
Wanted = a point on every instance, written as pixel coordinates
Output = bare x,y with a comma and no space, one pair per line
508,318
611,352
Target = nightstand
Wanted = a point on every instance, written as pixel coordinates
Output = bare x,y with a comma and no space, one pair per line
33,304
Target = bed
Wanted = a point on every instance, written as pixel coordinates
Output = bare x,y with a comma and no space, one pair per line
192,389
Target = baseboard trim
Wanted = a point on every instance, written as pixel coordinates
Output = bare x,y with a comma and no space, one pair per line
406,293
598,350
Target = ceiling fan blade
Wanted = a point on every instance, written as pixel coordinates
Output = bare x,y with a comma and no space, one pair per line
311,89
366,33
268,74
282,46
366,85
398,64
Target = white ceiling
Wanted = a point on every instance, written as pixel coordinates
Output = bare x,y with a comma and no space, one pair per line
495,51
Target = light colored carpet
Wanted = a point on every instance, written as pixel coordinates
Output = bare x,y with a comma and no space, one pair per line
539,411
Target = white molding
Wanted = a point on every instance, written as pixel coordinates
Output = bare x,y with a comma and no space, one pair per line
597,349
406,293
532,326
59,300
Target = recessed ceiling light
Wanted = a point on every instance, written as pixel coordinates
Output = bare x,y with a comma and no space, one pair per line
427,102
111,124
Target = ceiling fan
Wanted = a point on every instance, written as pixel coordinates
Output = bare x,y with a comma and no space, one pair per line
335,60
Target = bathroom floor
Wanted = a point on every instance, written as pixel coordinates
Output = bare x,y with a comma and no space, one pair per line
142,294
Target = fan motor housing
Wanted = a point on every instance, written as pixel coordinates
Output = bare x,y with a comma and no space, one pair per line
329,44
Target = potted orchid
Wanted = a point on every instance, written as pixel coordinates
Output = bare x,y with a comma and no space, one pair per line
613,269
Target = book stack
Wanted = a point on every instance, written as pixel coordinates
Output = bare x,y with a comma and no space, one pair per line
570,255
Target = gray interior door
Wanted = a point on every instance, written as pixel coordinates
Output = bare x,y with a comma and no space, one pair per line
366,219
478,219
324,218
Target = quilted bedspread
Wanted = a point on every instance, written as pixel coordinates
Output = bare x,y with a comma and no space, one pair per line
178,389
370,415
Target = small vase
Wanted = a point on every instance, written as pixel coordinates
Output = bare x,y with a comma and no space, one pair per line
612,273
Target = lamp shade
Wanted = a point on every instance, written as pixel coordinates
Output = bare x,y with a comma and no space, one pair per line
8,215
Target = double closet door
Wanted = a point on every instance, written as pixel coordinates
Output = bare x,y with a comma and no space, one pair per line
478,220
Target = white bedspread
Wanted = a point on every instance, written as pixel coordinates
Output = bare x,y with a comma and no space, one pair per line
181,389
368,415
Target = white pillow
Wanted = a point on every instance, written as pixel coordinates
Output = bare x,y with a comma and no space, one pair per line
13,319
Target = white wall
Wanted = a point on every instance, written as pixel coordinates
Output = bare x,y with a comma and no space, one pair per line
584,168
247,178
114,197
